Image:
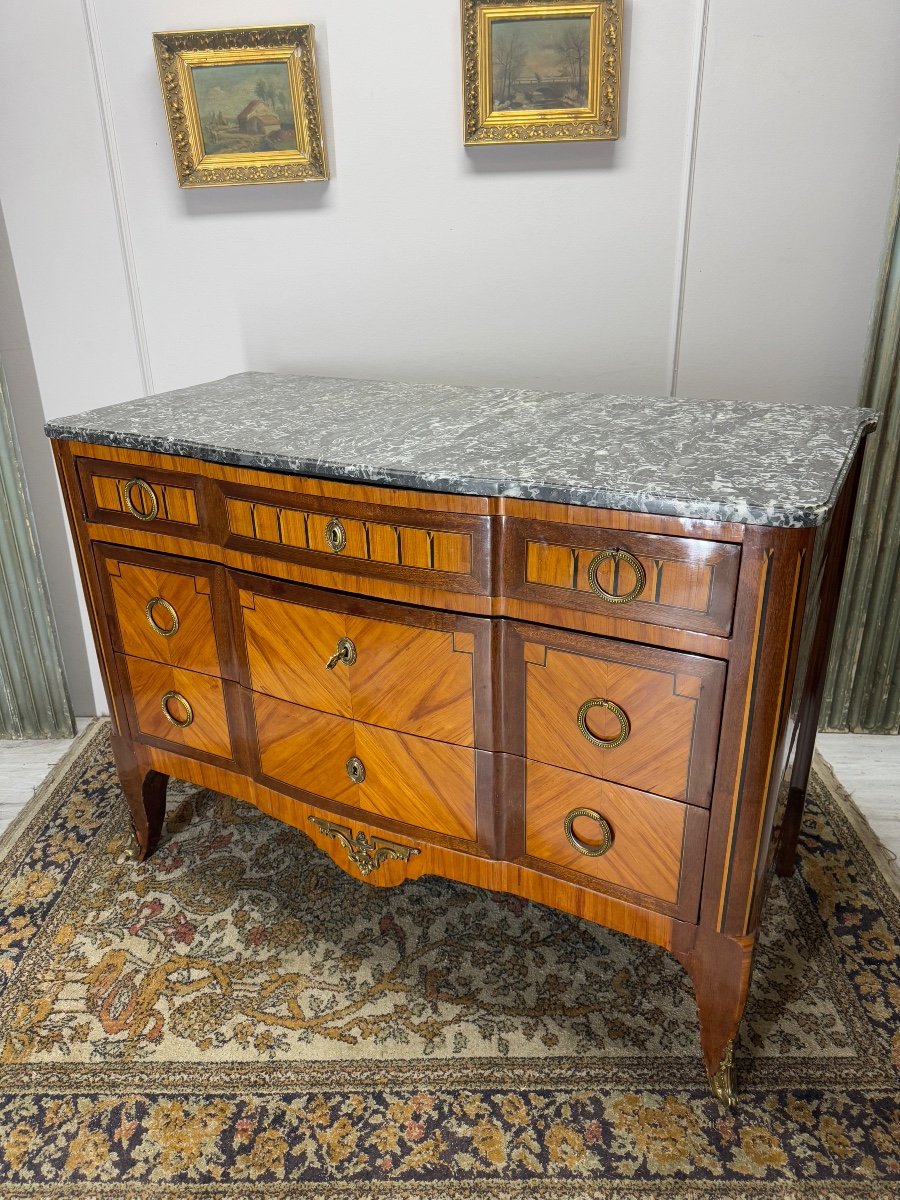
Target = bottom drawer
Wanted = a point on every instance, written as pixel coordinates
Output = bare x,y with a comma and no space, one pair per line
178,707
414,780
636,844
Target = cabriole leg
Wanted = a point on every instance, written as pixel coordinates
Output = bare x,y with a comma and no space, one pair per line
719,968
145,791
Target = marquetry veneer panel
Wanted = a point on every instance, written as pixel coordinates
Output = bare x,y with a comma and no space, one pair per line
688,583
161,501
649,835
373,541
149,682
411,670
426,784
671,703
182,631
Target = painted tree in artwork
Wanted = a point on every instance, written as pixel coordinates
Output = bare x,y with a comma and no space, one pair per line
508,55
572,52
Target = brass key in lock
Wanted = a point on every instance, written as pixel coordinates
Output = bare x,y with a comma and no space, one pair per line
345,653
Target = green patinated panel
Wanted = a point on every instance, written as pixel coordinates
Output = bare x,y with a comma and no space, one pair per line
34,701
863,688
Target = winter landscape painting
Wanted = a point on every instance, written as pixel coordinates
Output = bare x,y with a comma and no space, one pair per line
540,63
245,108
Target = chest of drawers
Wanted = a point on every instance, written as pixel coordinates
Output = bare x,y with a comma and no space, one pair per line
536,665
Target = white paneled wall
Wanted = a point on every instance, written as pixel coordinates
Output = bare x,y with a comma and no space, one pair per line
607,266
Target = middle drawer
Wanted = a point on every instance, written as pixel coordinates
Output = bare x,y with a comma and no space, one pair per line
412,670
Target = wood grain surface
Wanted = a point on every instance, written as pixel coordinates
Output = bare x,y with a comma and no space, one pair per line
149,682
672,703
647,833
423,783
404,676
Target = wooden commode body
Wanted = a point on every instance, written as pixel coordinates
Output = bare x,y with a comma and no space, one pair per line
587,706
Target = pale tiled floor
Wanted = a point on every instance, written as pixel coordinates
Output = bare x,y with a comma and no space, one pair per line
23,765
868,767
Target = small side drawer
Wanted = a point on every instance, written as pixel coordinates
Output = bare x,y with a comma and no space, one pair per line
165,609
683,583
139,497
635,715
172,707
637,846
425,784
425,548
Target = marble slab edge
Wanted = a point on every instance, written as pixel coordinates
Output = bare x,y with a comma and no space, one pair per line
798,516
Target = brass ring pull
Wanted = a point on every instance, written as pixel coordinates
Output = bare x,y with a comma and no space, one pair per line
162,630
345,652
182,700
335,535
145,490
604,743
587,848
355,769
640,576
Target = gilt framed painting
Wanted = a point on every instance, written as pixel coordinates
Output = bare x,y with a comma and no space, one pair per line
540,72
242,105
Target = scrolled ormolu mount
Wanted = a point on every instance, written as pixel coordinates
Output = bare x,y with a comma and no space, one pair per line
366,856
722,1081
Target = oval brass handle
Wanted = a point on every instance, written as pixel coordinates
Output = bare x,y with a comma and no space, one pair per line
355,769
146,490
182,700
335,535
640,576
587,848
604,743
345,652
162,630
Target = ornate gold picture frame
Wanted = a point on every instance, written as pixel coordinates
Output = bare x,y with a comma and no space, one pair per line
242,105
543,71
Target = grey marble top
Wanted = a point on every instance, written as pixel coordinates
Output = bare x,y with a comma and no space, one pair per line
720,460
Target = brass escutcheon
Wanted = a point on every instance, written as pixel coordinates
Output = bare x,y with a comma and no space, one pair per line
355,769
603,743
162,630
585,847
182,700
146,490
345,652
335,535
640,576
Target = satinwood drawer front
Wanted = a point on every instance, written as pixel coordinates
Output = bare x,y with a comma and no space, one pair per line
413,670
635,844
143,498
427,548
634,715
163,608
175,707
685,583
423,783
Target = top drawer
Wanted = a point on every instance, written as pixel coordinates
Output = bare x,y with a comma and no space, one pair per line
143,498
685,583
420,546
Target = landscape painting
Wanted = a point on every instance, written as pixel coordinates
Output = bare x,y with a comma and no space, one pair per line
245,108
540,63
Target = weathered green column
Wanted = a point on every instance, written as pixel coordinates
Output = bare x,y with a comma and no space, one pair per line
862,693
34,700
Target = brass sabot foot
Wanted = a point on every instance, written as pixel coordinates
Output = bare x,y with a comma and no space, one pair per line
722,1083
132,848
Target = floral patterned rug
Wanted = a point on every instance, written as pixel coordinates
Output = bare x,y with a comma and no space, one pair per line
238,1018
